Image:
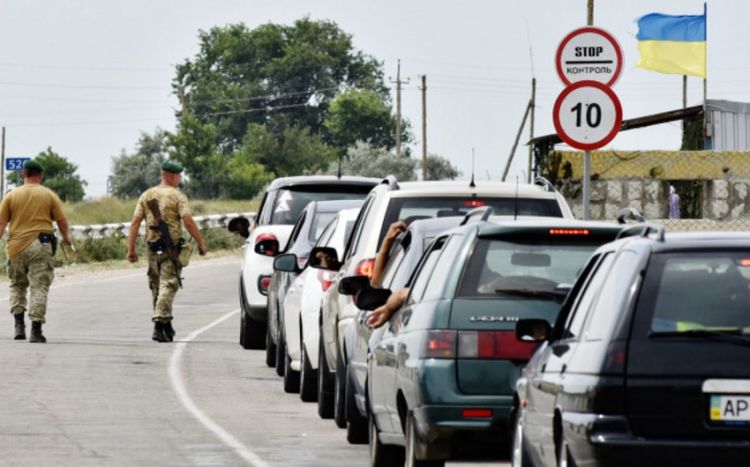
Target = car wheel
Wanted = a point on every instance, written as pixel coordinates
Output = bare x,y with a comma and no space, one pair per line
356,427
270,351
519,454
415,446
339,406
291,377
308,378
280,351
382,455
252,334
325,384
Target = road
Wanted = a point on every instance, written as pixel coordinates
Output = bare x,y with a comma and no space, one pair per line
100,392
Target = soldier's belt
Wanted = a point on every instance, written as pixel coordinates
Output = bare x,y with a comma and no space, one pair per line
50,238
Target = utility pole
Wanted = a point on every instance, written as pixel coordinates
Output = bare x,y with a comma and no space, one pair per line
2,166
398,83
424,127
590,13
532,105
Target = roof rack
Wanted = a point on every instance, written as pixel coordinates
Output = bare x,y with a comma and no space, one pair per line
485,212
629,213
544,183
643,230
391,181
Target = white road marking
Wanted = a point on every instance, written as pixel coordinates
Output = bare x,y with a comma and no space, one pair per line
175,375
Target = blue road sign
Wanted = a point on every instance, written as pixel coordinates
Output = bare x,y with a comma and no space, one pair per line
15,163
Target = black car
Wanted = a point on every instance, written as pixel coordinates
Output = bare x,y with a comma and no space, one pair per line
647,363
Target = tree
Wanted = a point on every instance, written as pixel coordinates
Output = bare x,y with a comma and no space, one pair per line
134,173
366,160
440,168
60,176
193,145
361,115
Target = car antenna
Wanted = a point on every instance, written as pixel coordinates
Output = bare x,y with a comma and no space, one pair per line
515,202
471,183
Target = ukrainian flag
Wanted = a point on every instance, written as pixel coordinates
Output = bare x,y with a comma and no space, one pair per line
673,44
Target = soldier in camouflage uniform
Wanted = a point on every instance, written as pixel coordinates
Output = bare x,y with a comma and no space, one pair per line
30,210
162,274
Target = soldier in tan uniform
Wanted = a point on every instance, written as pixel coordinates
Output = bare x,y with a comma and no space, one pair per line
30,210
163,275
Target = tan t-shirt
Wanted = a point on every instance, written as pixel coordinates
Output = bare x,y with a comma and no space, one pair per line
173,206
30,210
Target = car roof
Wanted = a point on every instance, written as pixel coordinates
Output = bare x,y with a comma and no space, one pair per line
462,188
428,227
336,205
699,241
285,182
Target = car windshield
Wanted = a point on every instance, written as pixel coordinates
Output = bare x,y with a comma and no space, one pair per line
411,209
534,270
291,201
698,292
319,223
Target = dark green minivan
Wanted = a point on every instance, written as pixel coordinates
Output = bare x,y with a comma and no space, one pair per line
442,371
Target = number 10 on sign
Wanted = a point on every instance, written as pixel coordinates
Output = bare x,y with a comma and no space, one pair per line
587,115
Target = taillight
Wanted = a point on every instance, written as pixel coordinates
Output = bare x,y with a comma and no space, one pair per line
439,344
474,203
263,283
326,279
476,413
494,345
365,268
267,244
569,231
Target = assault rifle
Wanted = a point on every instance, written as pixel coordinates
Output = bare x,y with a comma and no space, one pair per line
172,250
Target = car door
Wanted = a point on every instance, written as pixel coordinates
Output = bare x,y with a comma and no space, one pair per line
280,282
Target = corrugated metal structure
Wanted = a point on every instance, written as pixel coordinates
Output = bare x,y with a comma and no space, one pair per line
728,125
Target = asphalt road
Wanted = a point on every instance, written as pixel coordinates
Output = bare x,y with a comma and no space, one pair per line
100,392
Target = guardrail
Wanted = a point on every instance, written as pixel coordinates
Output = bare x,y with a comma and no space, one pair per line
96,231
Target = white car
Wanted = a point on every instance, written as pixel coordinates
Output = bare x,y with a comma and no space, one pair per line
303,301
391,201
284,200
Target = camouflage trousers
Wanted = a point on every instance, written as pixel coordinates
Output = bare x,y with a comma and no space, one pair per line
32,270
162,280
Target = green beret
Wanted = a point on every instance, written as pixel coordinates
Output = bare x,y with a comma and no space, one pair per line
33,165
172,166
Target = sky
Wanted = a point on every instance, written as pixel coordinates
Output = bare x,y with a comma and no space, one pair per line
86,77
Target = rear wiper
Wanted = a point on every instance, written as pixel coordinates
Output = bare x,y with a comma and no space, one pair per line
534,293
732,336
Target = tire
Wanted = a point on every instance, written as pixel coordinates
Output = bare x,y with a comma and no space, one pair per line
356,426
414,445
339,406
252,334
280,353
270,351
291,377
519,452
308,378
325,384
382,455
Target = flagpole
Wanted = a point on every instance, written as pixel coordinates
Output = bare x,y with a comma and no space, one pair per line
705,81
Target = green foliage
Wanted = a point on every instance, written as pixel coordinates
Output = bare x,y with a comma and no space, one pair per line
134,173
289,151
368,161
193,145
440,168
360,115
59,176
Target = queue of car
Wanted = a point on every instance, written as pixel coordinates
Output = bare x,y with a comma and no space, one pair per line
509,326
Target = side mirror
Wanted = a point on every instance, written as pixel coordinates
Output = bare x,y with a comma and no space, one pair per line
267,245
353,284
286,263
239,225
324,257
370,299
533,330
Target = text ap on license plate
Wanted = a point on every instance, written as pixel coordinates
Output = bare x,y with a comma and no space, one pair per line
730,408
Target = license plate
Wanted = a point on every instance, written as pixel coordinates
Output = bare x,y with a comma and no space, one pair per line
730,408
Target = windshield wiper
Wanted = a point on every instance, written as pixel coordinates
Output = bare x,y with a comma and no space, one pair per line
732,336
534,293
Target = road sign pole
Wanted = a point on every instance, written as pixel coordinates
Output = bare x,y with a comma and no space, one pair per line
586,185
2,167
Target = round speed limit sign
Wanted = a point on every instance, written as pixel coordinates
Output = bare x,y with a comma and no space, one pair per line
587,115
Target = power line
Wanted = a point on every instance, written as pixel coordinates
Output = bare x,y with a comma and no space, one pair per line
77,86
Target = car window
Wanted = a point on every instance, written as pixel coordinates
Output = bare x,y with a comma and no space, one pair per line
504,268
258,215
586,298
353,243
267,207
419,283
612,296
698,291
327,234
411,209
396,255
295,232
319,222
290,201
436,285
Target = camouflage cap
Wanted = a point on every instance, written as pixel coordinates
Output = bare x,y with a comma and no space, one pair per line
172,166
33,165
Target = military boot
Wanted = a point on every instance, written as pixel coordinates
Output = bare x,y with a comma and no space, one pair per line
36,332
159,335
169,331
20,327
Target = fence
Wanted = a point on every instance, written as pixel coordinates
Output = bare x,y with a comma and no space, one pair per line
97,231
